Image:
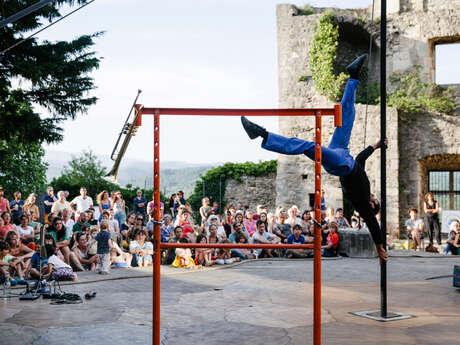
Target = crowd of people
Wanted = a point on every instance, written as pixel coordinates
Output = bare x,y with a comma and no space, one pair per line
80,235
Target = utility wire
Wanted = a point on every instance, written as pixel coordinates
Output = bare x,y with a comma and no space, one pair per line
44,28
24,12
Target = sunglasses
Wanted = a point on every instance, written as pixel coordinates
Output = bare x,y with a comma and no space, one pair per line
139,218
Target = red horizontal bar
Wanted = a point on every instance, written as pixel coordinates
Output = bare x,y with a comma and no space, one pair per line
236,245
239,112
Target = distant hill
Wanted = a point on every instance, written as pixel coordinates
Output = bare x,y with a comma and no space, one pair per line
174,175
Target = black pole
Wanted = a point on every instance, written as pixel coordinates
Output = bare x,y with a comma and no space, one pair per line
383,166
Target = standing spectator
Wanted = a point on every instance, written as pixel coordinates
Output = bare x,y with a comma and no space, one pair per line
103,202
140,204
118,205
104,244
29,205
261,236
4,204
205,210
83,202
16,207
414,227
48,199
431,209
178,201
341,220
60,204
250,223
332,244
215,208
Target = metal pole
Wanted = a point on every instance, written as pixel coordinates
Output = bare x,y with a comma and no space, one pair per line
156,230
317,244
383,175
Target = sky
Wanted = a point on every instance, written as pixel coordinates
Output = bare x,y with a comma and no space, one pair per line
182,53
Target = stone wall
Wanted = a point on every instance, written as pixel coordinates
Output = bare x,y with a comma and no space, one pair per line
252,191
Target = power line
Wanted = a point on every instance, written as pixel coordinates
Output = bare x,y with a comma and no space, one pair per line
42,29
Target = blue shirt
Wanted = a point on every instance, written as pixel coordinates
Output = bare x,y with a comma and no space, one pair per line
46,197
18,212
36,260
103,239
166,233
136,202
292,240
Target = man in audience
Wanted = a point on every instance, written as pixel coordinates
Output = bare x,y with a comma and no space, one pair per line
282,228
48,199
341,220
83,202
261,236
81,222
140,204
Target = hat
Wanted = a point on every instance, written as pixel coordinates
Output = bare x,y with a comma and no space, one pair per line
239,212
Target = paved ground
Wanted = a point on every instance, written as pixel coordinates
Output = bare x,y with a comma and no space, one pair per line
263,302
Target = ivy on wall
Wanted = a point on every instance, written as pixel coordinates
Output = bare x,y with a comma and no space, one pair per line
212,184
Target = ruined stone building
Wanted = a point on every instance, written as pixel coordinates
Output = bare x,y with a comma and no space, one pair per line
424,149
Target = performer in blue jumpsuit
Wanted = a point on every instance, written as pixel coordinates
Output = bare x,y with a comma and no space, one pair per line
336,158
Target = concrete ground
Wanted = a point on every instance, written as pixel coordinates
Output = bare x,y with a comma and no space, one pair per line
258,302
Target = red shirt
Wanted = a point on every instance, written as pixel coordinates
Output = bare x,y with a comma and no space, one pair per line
186,228
334,239
3,205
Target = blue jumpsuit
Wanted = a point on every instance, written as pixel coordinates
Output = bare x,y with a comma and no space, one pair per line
337,160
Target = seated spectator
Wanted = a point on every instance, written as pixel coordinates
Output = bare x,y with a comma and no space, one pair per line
92,243
119,258
29,205
20,253
81,221
233,238
68,222
81,249
283,228
57,230
330,215
113,224
7,225
60,204
171,252
37,265
9,267
26,232
293,218
138,226
297,238
125,229
59,270
224,256
185,223
239,219
16,207
141,249
261,236
250,223
227,223
357,222
307,222
332,244
452,243
244,253
214,220
183,256
414,227
90,217
271,221
203,255
341,220
167,230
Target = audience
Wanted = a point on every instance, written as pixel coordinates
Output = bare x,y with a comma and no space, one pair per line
414,227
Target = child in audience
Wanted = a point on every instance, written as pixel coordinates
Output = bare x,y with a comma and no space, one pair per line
183,256
104,244
36,265
58,269
203,255
224,255
247,253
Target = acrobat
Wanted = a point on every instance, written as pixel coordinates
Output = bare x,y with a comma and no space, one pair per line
336,158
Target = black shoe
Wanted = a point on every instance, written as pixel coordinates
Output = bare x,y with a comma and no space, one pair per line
354,69
252,129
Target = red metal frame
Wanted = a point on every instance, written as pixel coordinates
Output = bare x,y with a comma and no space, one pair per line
157,245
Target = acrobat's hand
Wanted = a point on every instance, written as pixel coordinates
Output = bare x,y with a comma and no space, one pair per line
378,144
382,253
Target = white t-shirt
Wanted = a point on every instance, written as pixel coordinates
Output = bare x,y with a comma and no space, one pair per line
82,204
57,263
414,225
266,236
112,225
69,227
25,232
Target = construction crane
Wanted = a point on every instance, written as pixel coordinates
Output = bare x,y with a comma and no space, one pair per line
128,131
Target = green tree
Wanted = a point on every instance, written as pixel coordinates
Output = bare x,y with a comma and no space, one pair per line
52,75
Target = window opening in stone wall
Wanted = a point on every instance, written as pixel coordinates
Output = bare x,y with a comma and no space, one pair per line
446,63
445,186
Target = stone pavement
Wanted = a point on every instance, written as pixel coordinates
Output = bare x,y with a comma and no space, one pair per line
259,302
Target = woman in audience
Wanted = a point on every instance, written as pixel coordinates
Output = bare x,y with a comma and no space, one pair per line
271,221
250,223
125,229
292,216
113,224
204,210
68,222
306,222
414,227
431,209
29,205
26,232
246,253
263,218
58,231
7,226
171,205
118,205
60,204
141,249
186,224
103,202
330,215
239,219
81,251
203,255
228,222
20,252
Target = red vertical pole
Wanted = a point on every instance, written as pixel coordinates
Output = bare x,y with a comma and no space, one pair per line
156,230
317,244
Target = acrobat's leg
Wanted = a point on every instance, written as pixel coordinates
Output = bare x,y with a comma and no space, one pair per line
341,137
